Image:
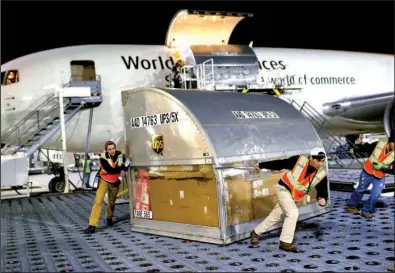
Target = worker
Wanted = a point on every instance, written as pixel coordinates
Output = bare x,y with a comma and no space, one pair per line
380,163
112,163
87,172
177,69
304,173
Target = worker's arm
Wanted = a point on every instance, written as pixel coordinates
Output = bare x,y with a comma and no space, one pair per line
281,164
322,190
367,148
390,169
108,169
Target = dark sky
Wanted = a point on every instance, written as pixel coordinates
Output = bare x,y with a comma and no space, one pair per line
28,27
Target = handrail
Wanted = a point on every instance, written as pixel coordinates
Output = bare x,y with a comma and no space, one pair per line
49,112
48,98
318,121
51,132
29,115
200,74
22,137
46,109
316,112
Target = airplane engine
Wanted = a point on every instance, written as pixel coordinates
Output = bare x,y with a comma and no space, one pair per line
389,118
368,109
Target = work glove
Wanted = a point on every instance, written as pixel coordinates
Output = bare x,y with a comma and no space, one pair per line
377,165
351,151
128,161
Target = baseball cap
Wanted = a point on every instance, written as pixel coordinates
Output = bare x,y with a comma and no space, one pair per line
317,151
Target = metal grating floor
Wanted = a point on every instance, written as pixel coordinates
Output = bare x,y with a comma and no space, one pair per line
45,234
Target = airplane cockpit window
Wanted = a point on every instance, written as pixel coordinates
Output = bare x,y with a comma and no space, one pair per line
12,77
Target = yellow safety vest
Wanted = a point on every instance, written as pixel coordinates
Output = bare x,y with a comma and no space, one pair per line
297,182
378,155
111,178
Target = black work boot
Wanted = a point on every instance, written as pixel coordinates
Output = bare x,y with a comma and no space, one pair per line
110,223
90,230
254,238
288,247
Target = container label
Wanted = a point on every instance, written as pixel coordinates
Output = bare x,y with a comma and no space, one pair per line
255,114
154,120
146,214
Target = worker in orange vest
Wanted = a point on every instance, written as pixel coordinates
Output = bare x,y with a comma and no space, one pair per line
112,164
304,173
380,162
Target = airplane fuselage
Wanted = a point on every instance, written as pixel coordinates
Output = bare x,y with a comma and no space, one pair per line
323,76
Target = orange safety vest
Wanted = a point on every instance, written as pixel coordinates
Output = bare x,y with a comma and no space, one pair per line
379,156
111,178
296,182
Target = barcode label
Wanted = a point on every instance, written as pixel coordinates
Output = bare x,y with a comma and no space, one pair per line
146,214
265,191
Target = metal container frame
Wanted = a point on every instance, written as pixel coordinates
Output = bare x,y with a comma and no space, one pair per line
141,101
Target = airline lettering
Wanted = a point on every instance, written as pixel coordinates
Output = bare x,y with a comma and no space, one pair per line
137,62
158,63
271,65
153,120
289,80
167,63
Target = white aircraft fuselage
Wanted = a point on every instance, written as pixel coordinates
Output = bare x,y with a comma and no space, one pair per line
324,76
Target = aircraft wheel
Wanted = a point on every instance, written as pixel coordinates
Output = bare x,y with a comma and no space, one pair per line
56,184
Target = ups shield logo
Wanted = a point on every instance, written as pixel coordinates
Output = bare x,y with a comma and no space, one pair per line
157,144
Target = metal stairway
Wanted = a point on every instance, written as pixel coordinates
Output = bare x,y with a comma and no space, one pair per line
45,119
336,159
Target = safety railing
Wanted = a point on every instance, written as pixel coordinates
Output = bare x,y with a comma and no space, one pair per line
210,76
39,118
319,122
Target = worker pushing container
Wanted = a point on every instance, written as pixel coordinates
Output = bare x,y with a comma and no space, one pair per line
193,156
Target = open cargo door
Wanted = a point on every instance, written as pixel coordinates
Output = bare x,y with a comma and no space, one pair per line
192,27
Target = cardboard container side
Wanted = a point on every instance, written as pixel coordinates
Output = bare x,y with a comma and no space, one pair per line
252,195
250,200
181,194
262,206
239,205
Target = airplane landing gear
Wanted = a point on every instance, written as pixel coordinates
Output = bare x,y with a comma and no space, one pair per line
57,183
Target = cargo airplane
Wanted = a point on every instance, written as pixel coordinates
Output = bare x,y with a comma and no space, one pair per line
353,91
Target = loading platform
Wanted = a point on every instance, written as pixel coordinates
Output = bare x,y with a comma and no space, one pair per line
44,234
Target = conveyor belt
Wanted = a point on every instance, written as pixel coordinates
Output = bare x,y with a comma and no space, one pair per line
45,234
